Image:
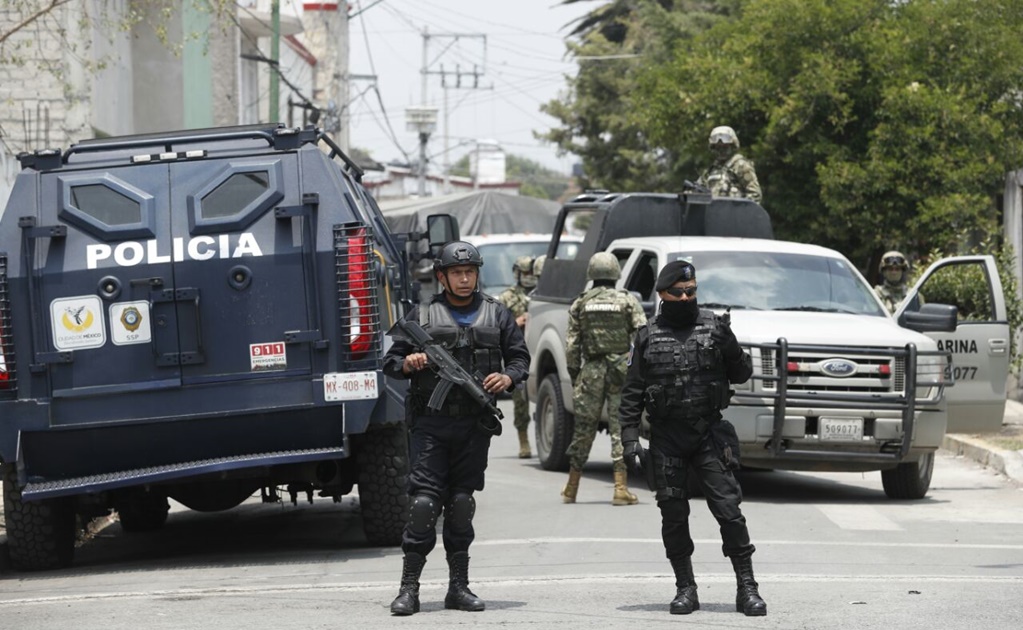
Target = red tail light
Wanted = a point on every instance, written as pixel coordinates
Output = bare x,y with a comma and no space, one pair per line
361,330
357,298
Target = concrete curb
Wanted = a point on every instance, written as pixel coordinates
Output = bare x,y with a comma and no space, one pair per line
1008,463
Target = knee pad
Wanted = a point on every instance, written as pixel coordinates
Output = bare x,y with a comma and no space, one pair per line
423,512
460,510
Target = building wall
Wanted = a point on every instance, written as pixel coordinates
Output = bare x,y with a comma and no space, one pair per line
44,98
158,89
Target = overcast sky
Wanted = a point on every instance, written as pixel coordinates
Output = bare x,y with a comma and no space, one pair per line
524,67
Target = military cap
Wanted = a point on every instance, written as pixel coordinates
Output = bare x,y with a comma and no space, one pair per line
673,272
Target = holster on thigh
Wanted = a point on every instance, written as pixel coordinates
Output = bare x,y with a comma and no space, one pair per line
670,476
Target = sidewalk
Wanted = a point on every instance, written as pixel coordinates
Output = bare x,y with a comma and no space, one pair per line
1002,451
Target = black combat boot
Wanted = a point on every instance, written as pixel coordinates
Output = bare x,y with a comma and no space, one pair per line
747,597
685,600
459,596
407,601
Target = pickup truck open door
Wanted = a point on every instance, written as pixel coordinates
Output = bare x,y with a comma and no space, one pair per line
980,343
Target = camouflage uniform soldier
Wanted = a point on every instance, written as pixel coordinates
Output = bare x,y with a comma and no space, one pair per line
516,298
895,272
601,324
731,175
538,266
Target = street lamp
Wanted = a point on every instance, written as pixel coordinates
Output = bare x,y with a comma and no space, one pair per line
422,120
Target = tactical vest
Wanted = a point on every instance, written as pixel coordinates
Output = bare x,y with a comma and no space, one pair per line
477,348
685,380
605,322
723,180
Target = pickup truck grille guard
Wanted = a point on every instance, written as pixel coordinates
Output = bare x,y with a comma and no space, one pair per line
830,392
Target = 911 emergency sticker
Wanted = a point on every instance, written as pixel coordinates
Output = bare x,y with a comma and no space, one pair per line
130,323
77,323
265,357
349,386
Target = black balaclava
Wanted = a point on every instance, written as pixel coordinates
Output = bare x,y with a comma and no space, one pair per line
681,313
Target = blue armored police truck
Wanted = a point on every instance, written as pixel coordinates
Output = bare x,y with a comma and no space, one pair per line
199,316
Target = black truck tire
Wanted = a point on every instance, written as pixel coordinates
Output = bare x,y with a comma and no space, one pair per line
910,480
40,534
554,425
382,457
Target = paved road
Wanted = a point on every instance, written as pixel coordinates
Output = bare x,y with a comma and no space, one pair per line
833,552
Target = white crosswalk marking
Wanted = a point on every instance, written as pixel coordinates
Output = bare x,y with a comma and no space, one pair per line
858,517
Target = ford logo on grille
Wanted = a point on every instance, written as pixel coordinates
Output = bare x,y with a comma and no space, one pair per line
839,368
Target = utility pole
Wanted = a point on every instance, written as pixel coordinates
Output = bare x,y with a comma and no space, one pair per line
456,76
275,57
422,120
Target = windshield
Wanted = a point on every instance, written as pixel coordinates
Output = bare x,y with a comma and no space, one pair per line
778,281
496,274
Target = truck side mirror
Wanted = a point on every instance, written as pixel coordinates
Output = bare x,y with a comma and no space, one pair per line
931,318
441,228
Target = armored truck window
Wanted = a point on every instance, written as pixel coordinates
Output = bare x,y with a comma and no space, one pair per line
234,195
106,205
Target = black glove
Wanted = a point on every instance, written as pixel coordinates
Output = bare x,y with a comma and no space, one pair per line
634,456
725,340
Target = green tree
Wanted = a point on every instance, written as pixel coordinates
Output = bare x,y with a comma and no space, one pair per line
874,125
596,114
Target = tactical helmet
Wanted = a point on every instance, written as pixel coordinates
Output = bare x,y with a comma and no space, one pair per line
538,264
603,266
523,264
893,259
723,135
458,253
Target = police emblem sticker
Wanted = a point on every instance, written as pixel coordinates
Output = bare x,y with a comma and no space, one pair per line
130,323
265,357
77,323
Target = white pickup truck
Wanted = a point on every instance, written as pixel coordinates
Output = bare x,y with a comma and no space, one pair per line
838,384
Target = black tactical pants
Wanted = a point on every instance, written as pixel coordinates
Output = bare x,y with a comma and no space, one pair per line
448,456
676,455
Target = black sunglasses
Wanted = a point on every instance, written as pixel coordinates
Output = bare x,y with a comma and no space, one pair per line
680,291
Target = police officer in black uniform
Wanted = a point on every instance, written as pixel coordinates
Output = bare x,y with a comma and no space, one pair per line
448,448
680,367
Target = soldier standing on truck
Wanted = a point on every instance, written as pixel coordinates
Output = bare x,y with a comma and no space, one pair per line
516,298
448,447
679,370
731,174
601,323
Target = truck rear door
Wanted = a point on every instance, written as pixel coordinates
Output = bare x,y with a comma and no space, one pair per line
99,245
980,343
240,270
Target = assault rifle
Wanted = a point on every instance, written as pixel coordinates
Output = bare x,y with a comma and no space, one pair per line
449,370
